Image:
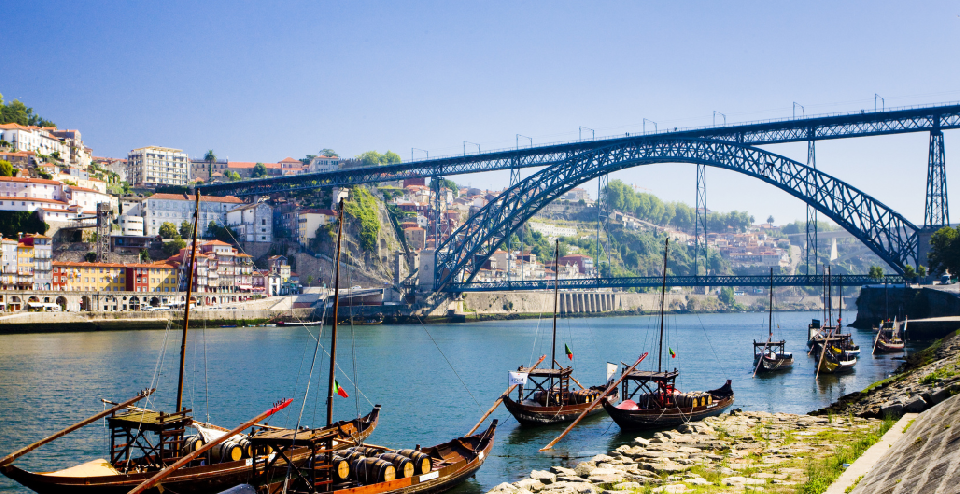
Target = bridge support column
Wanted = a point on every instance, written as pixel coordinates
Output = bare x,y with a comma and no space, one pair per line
811,226
700,224
936,212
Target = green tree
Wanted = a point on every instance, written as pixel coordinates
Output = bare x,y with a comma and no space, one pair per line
770,220
373,158
19,113
90,257
944,253
390,158
210,158
14,222
233,176
6,168
259,170
144,256
221,233
173,246
168,230
908,272
328,152
726,296
922,271
186,229
876,273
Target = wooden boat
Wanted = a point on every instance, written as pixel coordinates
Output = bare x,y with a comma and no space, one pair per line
546,397
771,355
100,476
379,470
889,337
364,469
144,442
651,399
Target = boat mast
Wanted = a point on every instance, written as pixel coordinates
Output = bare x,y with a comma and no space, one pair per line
336,307
663,296
186,306
556,297
770,324
840,308
829,274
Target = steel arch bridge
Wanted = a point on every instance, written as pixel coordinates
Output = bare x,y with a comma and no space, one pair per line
884,231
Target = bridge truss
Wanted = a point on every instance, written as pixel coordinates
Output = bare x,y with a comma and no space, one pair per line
884,231
656,281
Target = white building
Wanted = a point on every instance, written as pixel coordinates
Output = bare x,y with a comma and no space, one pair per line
175,208
324,164
252,222
154,165
552,231
78,155
131,225
37,139
309,220
57,202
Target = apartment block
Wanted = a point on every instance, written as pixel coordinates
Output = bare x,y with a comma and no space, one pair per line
154,165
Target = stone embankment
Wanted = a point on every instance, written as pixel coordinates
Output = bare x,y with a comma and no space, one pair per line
58,322
926,378
735,452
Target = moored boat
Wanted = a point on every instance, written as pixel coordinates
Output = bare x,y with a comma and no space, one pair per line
650,400
771,355
544,395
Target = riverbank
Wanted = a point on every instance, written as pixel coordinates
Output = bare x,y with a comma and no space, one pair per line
737,451
925,379
62,322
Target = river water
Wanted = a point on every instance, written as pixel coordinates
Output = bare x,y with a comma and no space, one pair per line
433,381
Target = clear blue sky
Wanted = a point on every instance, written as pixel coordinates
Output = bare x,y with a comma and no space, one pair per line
258,81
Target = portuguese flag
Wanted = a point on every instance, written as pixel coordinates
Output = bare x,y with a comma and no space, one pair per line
567,351
672,353
339,390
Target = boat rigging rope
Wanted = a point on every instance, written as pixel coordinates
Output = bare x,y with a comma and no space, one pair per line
715,355
536,336
424,326
353,344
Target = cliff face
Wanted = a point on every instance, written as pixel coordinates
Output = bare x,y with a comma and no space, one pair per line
369,245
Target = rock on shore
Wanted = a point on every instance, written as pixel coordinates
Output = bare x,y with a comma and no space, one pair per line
926,379
737,451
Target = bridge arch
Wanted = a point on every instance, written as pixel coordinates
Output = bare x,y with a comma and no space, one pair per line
884,231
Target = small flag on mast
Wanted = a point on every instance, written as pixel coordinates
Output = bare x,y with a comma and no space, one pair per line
339,390
672,353
567,350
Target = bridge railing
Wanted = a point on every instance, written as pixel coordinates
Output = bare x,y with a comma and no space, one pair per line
656,281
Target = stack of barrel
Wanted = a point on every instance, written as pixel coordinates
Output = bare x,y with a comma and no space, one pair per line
693,400
371,465
229,450
584,396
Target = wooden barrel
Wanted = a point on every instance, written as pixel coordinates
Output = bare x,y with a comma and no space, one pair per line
421,462
245,447
366,451
191,444
339,466
353,455
226,451
372,471
402,464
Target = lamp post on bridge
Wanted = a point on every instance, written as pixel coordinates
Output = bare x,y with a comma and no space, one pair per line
465,147
802,109
715,113
525,137
593,134
883,102
418,149
655,130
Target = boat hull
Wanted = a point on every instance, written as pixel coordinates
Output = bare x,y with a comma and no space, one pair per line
189,480
461,457
773,364
642,419
884,346
540,415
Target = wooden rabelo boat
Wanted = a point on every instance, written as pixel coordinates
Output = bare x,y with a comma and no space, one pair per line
835,351
545,397
889,337
363,469
144,442
771,355
651,399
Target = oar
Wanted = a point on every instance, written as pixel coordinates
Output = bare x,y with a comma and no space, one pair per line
17,454
500,399
595,403
162,474
877,338
571,377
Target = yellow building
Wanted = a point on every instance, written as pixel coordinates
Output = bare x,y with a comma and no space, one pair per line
89,276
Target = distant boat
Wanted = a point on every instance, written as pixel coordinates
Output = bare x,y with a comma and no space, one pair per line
835,351
651,399
889,337
771,355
